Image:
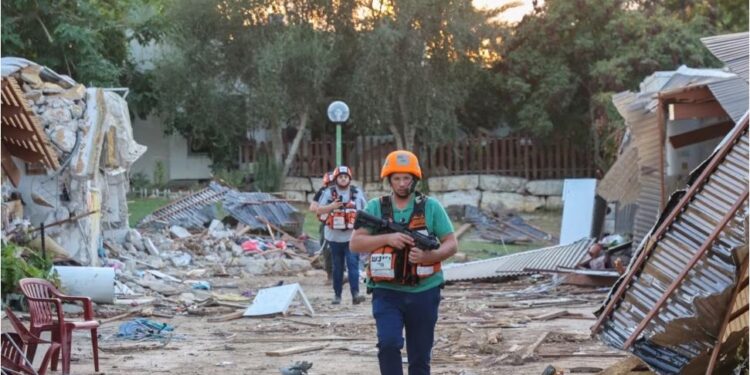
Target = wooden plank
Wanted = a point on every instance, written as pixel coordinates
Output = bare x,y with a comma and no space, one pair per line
295,350
295,339
551,315
462,229
530,351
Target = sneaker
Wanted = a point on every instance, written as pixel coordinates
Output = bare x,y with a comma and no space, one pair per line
336,301
356,300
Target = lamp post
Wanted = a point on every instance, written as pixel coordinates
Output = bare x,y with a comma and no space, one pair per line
338,113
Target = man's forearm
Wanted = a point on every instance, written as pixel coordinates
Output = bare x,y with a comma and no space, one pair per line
366,243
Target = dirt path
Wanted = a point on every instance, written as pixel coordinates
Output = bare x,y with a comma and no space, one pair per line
482,330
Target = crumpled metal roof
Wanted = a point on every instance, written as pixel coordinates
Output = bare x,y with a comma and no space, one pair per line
195,210
189,211
640,113
676,295
250,207
620,184
732,50
732,95
524,263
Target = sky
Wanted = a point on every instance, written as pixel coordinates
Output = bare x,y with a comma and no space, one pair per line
511,15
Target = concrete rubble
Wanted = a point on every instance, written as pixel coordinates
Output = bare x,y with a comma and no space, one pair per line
91,137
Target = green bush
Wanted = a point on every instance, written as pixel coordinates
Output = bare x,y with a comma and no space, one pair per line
139,181
268,175
15,268
232,177
160,175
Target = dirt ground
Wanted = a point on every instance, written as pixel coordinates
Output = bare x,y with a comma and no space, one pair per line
484,328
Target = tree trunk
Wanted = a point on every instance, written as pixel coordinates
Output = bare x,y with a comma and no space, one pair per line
277,140
397,135
410,132
295,144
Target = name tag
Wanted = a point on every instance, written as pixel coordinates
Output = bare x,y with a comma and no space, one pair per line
381,261
339,222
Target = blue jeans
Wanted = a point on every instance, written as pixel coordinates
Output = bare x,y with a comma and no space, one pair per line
418,312
340,253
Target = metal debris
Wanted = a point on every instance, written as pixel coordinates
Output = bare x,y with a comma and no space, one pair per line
669,307
528,262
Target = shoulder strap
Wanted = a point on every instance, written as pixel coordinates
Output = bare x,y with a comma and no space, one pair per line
386,207
334,194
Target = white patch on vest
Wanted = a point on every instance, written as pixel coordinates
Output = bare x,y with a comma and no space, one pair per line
380,265
339,222
425,270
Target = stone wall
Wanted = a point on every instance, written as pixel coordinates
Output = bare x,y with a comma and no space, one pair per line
483,191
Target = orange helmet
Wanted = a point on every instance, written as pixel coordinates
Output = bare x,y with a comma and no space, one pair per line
401,161
342,169
327,178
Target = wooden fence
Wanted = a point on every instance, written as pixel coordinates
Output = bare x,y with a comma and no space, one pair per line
510,156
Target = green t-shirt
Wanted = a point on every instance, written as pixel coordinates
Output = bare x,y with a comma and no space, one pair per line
438,223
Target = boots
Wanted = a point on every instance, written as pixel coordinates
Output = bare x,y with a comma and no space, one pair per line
357,299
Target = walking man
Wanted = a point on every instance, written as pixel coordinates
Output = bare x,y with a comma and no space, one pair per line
405,280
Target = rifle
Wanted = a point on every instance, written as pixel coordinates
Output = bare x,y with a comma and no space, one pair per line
422,241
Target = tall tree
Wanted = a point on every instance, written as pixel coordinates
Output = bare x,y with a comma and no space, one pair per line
563,62
414,67
87,40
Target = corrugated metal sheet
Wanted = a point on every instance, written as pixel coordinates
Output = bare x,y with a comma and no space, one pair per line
620,184
732,95
686,325
249,207
644,126
732,50
741,323
625,217
640,113
189,211
548,259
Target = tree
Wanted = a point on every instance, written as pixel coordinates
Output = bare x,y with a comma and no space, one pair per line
414,68
238,65
563,62
87,40
288,87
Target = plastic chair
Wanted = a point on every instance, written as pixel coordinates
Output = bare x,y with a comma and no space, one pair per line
14,360
41,296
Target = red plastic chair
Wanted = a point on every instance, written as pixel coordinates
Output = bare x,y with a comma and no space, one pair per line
41,296
14,360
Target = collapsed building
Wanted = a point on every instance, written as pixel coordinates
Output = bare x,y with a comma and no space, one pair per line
66,154
682,304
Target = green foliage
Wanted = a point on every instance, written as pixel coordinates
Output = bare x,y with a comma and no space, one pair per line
564,61
268,174
232,177
139,181
15,268
87,40
160,175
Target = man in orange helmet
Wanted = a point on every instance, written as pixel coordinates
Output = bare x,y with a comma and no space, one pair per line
340,203
405,280
326,251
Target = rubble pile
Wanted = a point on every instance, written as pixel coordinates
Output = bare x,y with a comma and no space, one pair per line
81,194
171,266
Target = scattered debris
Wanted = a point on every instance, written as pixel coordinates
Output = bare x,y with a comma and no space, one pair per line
277,300
508,228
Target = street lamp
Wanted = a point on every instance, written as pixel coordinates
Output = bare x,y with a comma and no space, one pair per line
338,113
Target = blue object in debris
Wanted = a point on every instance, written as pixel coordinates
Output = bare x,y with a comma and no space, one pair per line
202,285
141,328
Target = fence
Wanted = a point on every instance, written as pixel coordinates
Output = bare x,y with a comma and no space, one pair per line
510,156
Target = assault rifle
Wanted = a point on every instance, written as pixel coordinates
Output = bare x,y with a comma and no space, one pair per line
422,241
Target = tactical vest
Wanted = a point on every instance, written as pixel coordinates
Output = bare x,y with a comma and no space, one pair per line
392,265
342,218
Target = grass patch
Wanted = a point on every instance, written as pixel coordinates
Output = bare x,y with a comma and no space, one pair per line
476,250
138,208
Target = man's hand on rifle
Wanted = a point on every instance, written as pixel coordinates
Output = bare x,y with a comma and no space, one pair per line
417,255
399,240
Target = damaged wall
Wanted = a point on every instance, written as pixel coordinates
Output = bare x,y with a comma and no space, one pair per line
91,134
